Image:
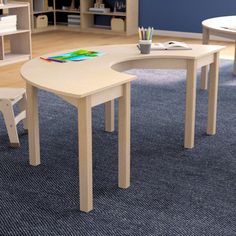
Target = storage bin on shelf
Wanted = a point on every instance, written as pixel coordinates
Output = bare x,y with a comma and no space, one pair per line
41,21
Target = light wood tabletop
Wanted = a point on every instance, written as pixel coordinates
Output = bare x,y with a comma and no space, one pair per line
100,80
77,79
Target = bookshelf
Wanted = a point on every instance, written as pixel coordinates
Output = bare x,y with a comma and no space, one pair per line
19,48
89,21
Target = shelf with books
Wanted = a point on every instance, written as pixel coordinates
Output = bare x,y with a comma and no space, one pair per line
57,12
71,20
123,21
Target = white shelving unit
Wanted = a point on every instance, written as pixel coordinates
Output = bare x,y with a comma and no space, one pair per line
19,40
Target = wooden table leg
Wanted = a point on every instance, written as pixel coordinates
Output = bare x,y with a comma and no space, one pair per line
85,154
205,69
235,59
124,138
33,125
213,94
110,116
190,104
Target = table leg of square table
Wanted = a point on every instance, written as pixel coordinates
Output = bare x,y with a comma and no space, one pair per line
85,154
204,77
33,125
124,138
110,116
212,96
205,69
190,104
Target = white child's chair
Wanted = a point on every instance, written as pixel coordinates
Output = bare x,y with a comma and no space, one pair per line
8,98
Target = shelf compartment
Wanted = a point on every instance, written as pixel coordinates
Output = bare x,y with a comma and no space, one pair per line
10,58
15,46
123,14
20,43
23,17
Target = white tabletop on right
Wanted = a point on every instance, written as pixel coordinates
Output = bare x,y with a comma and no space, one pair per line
218,26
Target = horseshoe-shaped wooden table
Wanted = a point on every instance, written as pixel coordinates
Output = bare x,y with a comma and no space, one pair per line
100,80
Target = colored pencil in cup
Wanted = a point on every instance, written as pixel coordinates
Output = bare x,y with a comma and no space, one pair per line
140,34
149,33
145,33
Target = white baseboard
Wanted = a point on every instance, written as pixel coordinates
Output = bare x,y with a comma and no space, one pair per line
188,35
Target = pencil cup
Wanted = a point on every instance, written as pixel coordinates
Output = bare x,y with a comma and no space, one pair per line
145,46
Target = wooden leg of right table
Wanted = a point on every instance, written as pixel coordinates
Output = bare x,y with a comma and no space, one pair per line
190,104
235,59
110,116
205,69
124,138
85,154
33,125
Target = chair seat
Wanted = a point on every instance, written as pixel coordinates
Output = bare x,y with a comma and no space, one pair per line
11,93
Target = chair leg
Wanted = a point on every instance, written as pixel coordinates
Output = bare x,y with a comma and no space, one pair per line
23,105
9,118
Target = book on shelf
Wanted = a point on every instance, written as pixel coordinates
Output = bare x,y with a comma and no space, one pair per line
73,16
8,23
170,45
99,10
73,20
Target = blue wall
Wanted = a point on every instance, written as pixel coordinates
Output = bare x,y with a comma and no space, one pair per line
182,15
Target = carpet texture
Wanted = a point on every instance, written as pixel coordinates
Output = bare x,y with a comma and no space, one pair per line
174,191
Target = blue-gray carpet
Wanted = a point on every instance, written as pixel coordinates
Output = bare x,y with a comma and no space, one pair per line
174,191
